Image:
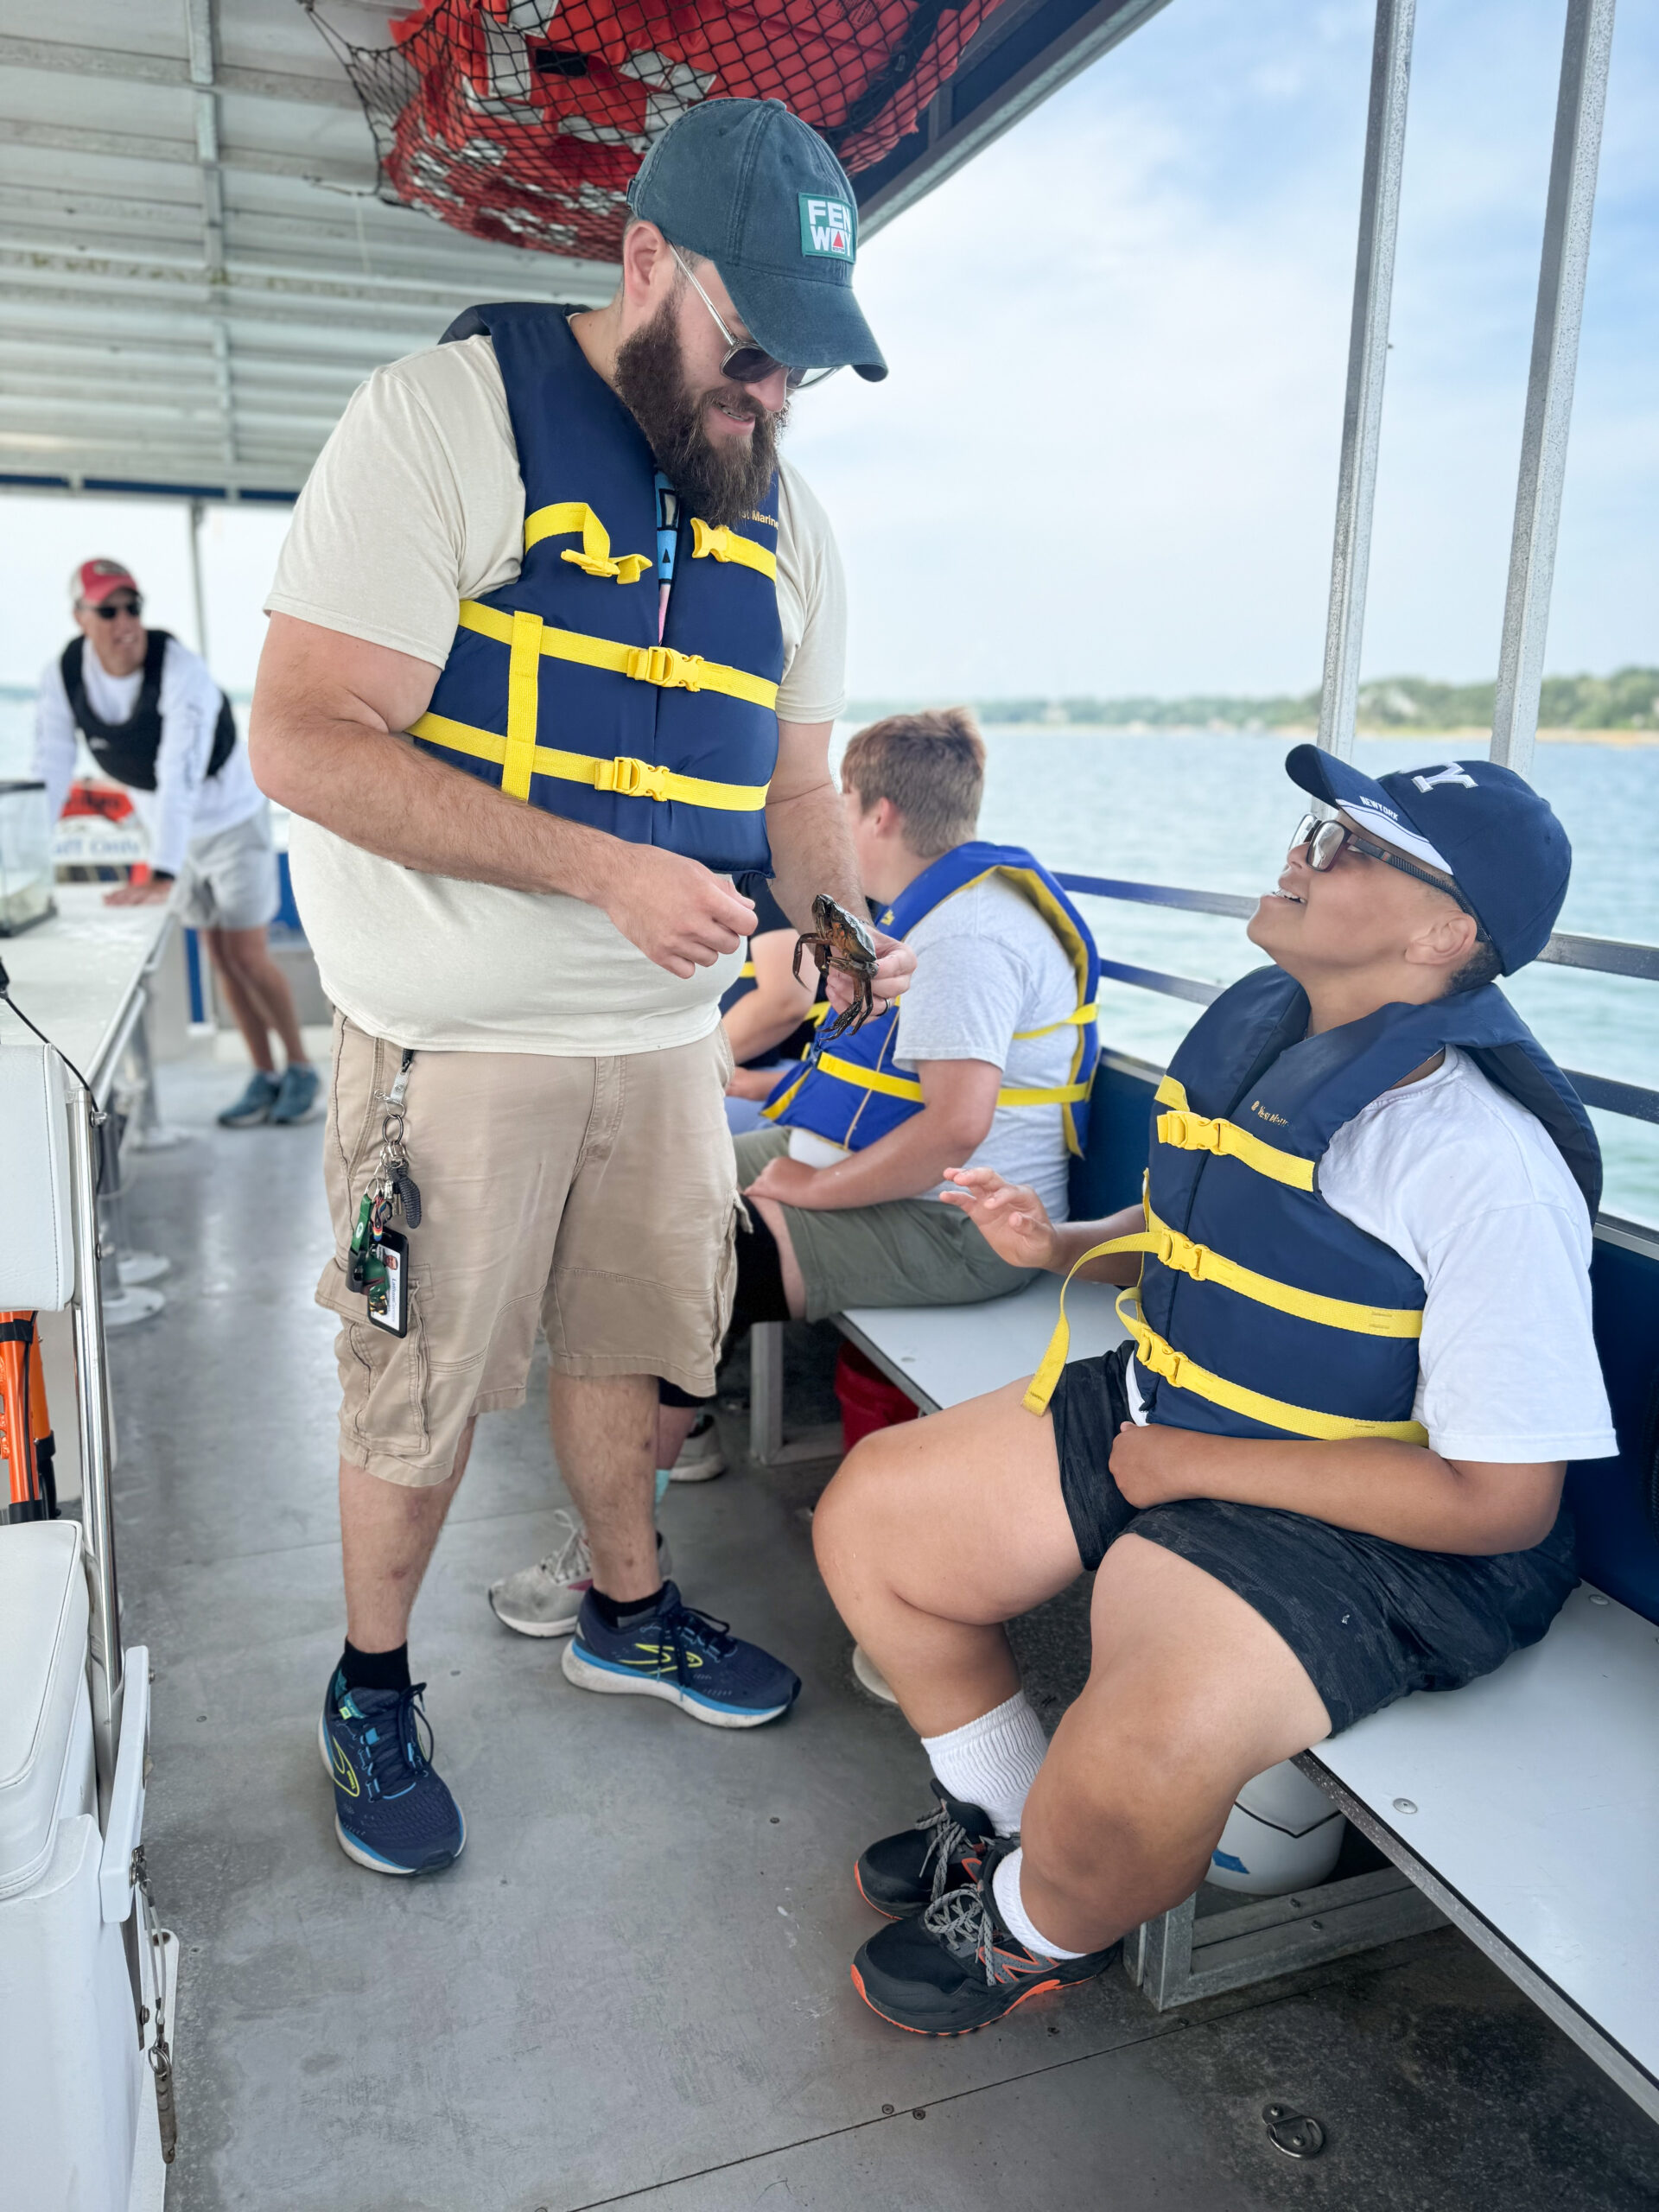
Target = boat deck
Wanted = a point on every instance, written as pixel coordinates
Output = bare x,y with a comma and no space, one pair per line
633,1989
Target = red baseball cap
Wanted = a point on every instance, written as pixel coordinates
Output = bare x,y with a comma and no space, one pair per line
93,581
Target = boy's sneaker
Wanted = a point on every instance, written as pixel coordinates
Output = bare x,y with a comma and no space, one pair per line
297,1095
684,1656
545,1599
391,1812
701,1458
956,1967
254,1106
945,1849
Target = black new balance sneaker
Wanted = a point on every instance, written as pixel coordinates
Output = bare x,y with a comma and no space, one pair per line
956,1967
903,1872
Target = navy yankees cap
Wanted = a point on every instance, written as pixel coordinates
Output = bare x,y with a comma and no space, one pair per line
758,192
1483,825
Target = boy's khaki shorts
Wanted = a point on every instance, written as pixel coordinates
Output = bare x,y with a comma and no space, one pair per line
594,1199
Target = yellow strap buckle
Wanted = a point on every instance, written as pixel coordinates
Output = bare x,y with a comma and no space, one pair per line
631,778
661,664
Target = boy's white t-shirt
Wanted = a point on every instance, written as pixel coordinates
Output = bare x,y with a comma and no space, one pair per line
1458,1179
988,965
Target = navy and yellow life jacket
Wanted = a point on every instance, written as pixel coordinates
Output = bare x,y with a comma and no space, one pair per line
1260,1310
849,1092
557,689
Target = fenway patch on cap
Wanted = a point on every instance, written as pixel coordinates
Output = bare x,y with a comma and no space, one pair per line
826,227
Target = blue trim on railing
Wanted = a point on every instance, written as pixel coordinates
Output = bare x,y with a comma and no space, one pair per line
234,495
192,968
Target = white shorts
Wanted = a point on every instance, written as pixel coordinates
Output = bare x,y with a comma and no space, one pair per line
229,880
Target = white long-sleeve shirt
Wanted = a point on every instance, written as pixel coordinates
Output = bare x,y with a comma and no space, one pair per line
187,803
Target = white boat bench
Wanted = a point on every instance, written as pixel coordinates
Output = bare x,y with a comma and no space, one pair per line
1522,1808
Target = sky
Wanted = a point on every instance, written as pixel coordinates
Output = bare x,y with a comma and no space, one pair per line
1105,460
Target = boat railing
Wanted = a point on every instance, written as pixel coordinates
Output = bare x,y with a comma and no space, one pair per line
1607,955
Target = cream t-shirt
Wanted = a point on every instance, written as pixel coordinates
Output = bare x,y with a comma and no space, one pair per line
415,503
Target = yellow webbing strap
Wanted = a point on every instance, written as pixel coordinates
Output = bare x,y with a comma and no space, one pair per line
1192,1132
746,973
771,1112
633,779
594,559
1203,1264
524,670
904,1086
1080,1019
725,544
659,665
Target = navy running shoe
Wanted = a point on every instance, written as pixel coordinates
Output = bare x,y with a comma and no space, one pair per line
391,1812
957,1966
683,1655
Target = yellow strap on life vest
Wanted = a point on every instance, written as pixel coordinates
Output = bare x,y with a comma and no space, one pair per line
904,1086
1203,1264
746,973
1080,1019
725,544
633,779
594,559
1192,1132
659,665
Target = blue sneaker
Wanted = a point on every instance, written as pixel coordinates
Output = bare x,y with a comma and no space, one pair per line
296,1096
391,1812
254,1106
682,1655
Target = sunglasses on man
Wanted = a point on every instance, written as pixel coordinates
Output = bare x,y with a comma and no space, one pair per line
744,361
107,609
1324,838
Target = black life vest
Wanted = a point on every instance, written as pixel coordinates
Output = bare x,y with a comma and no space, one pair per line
127,750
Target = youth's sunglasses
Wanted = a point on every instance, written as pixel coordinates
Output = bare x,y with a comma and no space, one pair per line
1324,838
746,362
107,609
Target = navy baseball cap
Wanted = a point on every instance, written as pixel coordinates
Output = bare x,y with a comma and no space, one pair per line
757,191
1483,825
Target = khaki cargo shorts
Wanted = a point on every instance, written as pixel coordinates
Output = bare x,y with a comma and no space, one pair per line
591,1198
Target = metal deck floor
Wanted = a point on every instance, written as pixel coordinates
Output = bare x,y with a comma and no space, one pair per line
633,1987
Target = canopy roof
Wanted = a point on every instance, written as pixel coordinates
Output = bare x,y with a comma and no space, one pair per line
216,216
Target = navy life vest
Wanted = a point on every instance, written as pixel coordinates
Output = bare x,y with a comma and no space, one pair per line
1260,1310
127,750
557,689
849,1092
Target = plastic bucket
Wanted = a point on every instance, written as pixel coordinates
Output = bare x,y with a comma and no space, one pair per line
868,1400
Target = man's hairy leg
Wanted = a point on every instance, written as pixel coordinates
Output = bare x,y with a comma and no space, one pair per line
935,1533
387,1533
1190,1694
604,1430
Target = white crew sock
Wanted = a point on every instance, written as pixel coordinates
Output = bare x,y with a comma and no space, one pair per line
1005,1885
992,1762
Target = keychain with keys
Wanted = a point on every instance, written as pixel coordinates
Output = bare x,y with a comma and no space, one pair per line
380,1254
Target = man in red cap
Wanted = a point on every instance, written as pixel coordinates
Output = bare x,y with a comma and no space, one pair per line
157,721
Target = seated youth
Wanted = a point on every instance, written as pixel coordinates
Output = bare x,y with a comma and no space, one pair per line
1325,1470
996,1046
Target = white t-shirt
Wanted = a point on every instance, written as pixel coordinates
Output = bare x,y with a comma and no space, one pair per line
187,803
987,966
1458,1179
415,503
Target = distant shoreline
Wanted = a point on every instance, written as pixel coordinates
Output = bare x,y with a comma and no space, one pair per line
1473,740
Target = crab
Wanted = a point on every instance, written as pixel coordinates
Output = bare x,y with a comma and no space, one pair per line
841,940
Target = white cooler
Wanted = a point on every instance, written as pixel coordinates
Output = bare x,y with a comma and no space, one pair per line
78,2116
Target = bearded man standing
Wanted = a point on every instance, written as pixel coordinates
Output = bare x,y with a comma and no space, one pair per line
561,554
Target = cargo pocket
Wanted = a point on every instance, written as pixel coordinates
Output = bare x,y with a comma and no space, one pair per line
383,1382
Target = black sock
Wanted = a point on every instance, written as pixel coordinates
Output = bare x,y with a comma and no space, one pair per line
375,1670
621,1612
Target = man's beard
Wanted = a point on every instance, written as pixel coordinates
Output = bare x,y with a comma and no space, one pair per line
719,482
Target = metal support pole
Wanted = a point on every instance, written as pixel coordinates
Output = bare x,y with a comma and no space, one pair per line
1549,386
197,510
1368,354
97,1446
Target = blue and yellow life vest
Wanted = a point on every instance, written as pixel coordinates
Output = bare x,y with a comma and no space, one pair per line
1260,1310
557,689
849,1092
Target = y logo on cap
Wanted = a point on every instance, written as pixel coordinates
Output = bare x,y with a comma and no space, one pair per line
826,227
1450,774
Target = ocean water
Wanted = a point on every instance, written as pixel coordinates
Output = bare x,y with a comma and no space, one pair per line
1213,810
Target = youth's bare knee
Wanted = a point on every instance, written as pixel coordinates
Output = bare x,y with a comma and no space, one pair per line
852,1514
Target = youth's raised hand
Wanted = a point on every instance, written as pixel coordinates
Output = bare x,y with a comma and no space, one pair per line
1010,1216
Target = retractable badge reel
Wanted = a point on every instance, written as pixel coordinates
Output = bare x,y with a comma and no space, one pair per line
379,1255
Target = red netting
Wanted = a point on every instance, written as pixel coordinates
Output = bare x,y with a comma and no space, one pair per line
524,120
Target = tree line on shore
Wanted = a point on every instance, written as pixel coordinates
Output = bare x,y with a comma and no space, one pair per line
1628,699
